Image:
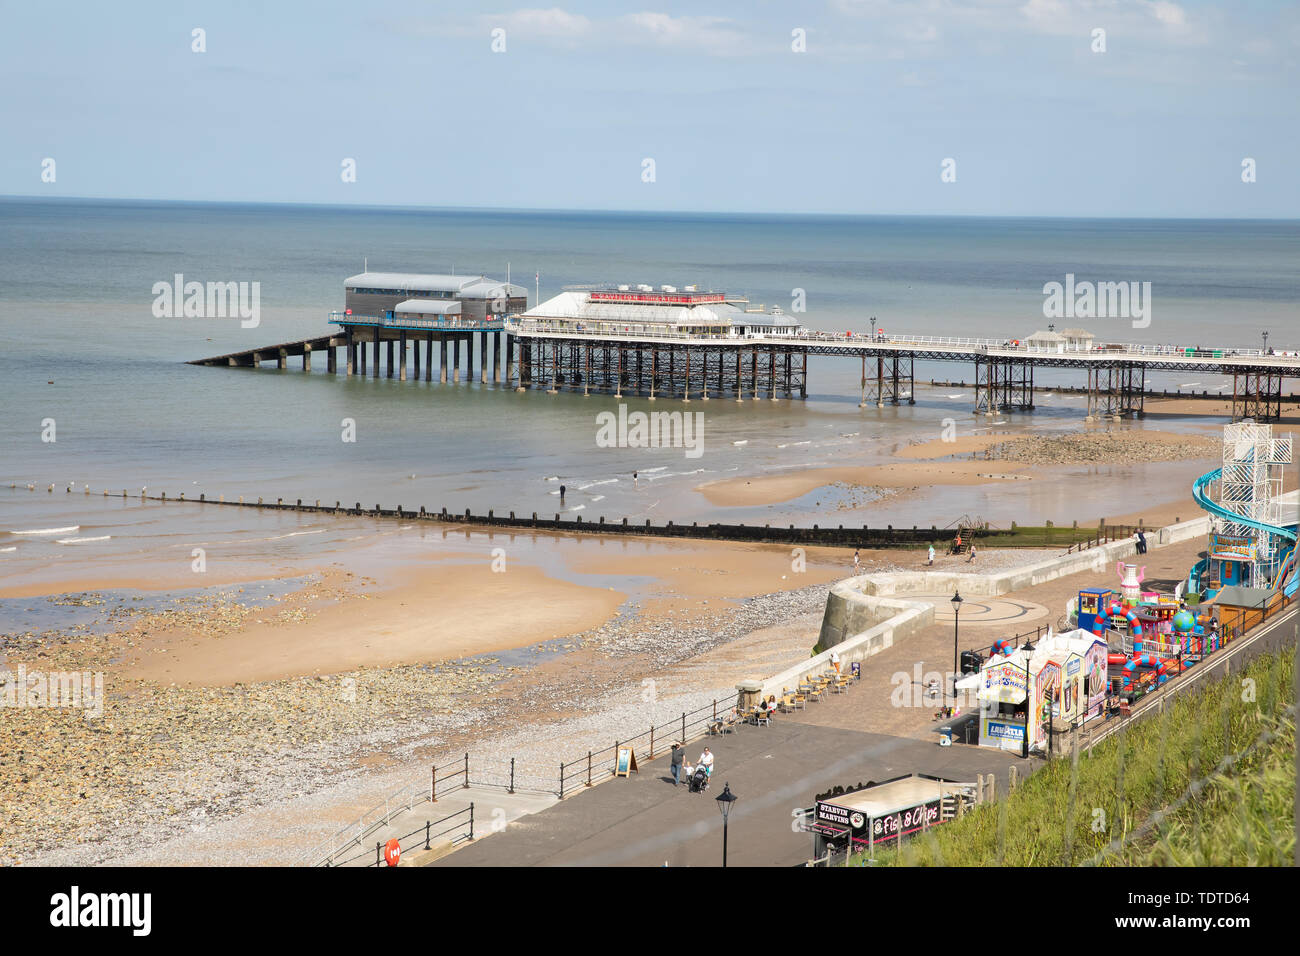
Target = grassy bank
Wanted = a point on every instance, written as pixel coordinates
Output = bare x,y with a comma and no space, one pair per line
1208,782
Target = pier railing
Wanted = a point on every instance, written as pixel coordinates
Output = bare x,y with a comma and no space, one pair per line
451,323
518,325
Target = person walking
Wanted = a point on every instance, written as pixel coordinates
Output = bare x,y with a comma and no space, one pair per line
971,559
635,481
679,755
857,560
706,761
931,556
562,490
1142,541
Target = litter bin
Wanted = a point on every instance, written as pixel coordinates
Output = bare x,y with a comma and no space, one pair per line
945,737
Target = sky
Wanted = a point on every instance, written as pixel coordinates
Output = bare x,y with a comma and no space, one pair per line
932,107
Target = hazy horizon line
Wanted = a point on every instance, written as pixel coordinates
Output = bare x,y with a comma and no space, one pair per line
628,212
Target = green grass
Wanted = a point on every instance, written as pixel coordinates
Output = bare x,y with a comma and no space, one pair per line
1160,793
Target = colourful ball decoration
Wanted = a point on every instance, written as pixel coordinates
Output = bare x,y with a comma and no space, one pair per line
1184,622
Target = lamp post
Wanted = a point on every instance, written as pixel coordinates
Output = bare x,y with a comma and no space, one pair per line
956,611
1266,343
725,800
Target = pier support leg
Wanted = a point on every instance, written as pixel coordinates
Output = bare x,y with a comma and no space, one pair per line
497,338
442,366
332,360
282,359
306,357
374,354
401,345
350,353
509,354
455,359
803,379
428,357
415,359
390,358
740,386
482,358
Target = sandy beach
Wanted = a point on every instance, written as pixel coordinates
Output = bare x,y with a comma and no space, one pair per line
966,460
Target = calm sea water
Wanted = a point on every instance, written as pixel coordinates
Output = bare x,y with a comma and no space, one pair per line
79,344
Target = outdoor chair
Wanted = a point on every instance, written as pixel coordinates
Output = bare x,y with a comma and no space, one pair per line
763,719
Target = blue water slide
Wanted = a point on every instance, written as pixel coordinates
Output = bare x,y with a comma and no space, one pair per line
1287,567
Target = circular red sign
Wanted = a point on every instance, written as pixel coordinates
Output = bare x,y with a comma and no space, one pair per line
392,852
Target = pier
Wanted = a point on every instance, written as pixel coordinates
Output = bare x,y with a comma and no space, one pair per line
692,345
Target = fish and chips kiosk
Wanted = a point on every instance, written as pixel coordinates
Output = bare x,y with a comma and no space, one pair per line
882,813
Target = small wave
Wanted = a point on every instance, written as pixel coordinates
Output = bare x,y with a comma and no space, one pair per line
12,547
597,497
294,534
743,441
958,395
103,537
551,478
651,471
593,484
67,530
577,507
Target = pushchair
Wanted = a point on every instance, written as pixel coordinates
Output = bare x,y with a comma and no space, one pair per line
699,780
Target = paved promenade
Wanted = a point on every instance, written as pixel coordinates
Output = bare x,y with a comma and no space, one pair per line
646,821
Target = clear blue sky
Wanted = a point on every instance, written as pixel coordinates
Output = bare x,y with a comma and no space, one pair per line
1039,124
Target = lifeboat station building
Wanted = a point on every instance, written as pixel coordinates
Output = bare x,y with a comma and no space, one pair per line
397,309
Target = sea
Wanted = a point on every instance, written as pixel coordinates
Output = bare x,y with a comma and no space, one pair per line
95,392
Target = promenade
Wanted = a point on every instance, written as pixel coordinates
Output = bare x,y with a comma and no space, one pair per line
844,739
645,821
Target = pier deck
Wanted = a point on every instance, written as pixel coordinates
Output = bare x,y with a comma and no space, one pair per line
557,356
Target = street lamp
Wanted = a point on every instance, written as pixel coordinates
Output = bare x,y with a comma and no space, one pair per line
956,610
1266,343
725,800
1024,740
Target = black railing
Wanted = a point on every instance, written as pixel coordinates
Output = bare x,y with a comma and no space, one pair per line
464,824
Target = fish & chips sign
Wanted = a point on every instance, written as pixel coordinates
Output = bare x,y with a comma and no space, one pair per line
1005,683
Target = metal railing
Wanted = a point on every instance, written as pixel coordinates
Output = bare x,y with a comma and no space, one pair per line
596,765
356,833
449,323
516,324
464,823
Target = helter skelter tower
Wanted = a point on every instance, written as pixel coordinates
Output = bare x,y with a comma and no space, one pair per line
1250,486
